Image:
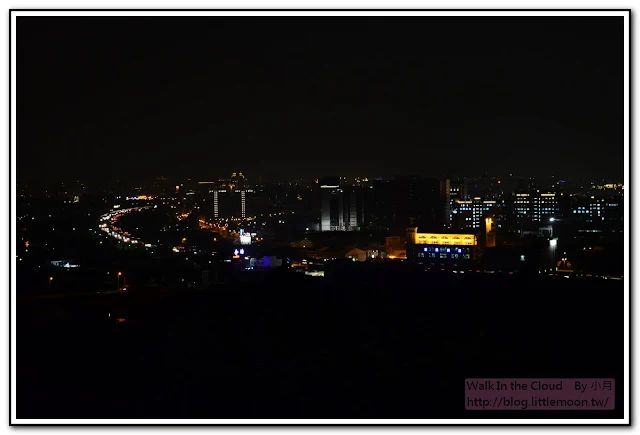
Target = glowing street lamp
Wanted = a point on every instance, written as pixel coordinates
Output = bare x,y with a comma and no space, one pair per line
50,279
118,285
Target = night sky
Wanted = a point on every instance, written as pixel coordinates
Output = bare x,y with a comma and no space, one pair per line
102,97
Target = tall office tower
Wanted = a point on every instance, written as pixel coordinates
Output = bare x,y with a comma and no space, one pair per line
230,197
216,203
243,204
238,181
226,204
522,206
468,215
422,202
445,199
457,192
535,206
341,206
330,196
382,209
408,201
354,207
353,210
458,189
545,206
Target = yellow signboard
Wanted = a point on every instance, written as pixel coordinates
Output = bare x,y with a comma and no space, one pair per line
444,239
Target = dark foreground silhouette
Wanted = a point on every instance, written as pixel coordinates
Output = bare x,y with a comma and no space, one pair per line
394,344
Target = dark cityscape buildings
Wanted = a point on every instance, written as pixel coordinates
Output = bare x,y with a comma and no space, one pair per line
341,205
249,215
231,196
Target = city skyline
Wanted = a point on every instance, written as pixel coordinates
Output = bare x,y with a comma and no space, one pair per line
226,215
257,179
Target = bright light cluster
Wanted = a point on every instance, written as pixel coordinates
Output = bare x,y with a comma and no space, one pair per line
108,224
141,197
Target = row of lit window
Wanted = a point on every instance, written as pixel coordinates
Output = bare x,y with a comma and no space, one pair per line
444,255
445,249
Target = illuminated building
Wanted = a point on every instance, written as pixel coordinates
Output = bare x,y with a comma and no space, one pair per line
445,194
490,232
395,247
457,250
529,256
64,263
457,192
542,232
265,262
238,181
598,214
458,189
230,197
522,206
468,215
357,254
545,205
245,238
536,206
341,207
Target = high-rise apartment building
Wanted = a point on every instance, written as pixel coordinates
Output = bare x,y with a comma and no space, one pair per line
341,206
231,197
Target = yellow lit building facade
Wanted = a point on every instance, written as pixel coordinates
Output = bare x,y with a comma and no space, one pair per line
455,250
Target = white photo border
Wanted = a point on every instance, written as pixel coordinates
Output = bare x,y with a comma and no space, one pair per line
626,13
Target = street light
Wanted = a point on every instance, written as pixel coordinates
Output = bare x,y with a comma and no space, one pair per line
118,285
50,279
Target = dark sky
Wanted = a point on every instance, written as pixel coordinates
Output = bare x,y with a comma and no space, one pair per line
103,97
